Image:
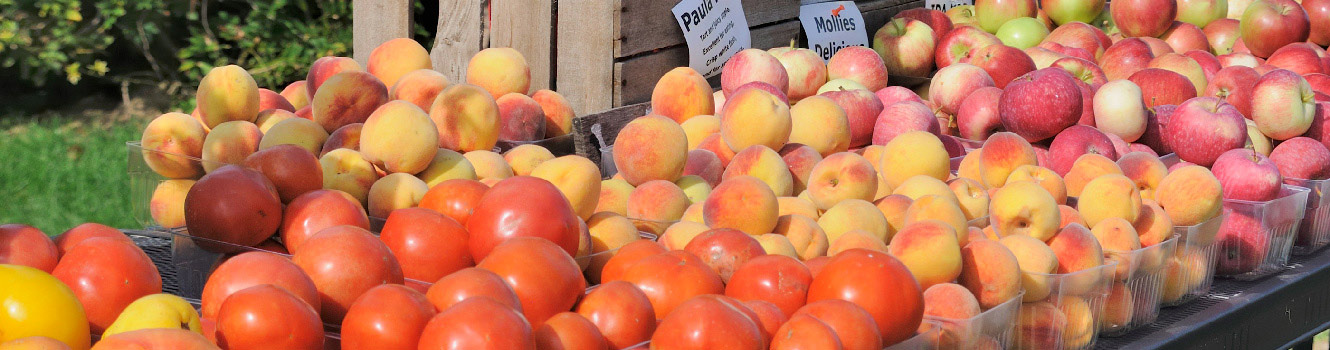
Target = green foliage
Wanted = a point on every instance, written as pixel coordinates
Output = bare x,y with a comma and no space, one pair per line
42,39
274,40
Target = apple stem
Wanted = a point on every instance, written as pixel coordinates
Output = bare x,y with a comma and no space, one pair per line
794,42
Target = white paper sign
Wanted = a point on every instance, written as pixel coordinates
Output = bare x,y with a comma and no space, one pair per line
714,31
832,26
943,5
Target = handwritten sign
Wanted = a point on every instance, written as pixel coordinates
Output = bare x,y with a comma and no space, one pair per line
943,5
832,26
714,31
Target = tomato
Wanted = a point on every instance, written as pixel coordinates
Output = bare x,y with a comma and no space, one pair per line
778,279
568,330
815,265
106,275
250,269
522,206
545,278
621,312
268,317
456,198
803,332
471,282
390,316
853,326
345,262
38,304
671,278
314,211
427,244
769,317
232,204
477,324
724,250
626,256
878,283
707,322
156,339
66,241
26,245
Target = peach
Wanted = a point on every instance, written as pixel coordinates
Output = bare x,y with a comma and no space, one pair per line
717,147
399,138
1109,196
950,300
1145,169
839,177
929,249
348,171
419,87
1024,208
854,214
718,99
170,141
934,207
1003,153
269,99
447,165
893,208
820,123
681,94
1190,195
269,117
1045,177
755,117
395,191
347,97
1036,261
766,165
989,271
855,239
1039,325
695,188
520,118
1118,239
324,68
1088,167
804,234
297,94
489,165
1077,249
499,70
227,93
609,232
776,244
1153,225
743,203
614,196
698,128
678,234
230,143
914,153
525,157
796,205
969,167
1069,216
577,178
467,118
657,200
167,205
302,133
1080,322
694,213
1118,307
558,113
649,148
344,137
395,58
971,196
800,160
704,164
1184,273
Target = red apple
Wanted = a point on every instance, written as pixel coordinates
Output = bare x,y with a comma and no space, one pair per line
906,47
902,117
1318,15
959,43
1243,243
1282,104
1119,109
893,94
752,65
1222,35
1043,57
1067,51
952,84
1075,141
805,68
1201,12
1247,175
1148,18
1203,128
1320,129
860,64
1158,46
1239,59
937,20
1125,58
1080,35
235,205
1183,65
1155,121
1268,25
1040,104
1163,87
1003,63
1302,158
1183,37
1087,104
1319,82
764,86
1301,59
1234,84
861,108
1209,64
1085,71
978,116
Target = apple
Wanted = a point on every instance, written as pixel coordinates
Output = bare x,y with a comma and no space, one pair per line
1022,33
1125,58
1209,63
1320,129
1282,104
1003,63
1119,109
1268,25
962,16
1156,119
1183,37
952,84
1163,87
1042,57
1247,175
1067,11
1236,7
1203,128
860,64
1144,18
1201,12
861,109
1040,104
992,14
1082,36
1302,158
1187,67
959,43
1242,243
805,68
906,47
978,115
1086,71
893,94
1318,15
1087,104
1067,51
752,65
1235,85
1239,59
902,117
1077,140
1299,58
1222,35
1319,82
936,20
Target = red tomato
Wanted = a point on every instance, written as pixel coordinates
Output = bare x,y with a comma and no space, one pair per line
471,282
66,241
456,198
26,245
314,211
778,279
390,316
427,244
878,283
568,330
626,256
724,250
853,326
545,278
478,324
155,339
251,269
769,317
274,246
522,206
671,278
815,265
268,317
707,322
621,312
804,332
106,275
345,262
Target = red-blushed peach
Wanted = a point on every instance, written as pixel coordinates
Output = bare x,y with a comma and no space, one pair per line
324,68
346,98
577,178
167,205
704,164
776,244
929,250
419,87
293,170
1184,273
269,117
1145,170
399,138
169,142
874,155
699,127
1003,153
744,203
969,167
558,113
842,176
649,148
1088,167
1069,216
305,113
1045,177
914,153
447,165
681,94
1024,208
1118,239
295,131
1153,225
694,212
766,165
804,234
1118,307
1080,321
694,188
614,196
796,205
950,300
489,165
752,65
855,239
1109,196
854,214
395,58
296,94
657,200
499,70
717,146
344,137
227,93
395,191
893,208
1190,195
348,171
230,143
1036,261
609,232
680,233
923,185
971,196
269,99
755,117
467,118
520,118
1077,250
820,123
935,207
989,271
1039,325
525,157
800,160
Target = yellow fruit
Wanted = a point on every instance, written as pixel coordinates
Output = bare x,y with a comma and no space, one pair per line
38,304
156,311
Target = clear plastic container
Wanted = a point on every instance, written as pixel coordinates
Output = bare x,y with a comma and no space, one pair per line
652,227
1314,233
1068,317
558,145
607,167
1190,272
927,340
991,329
1133,300
1256,237
143,181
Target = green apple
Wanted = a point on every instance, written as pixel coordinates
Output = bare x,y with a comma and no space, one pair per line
1022,33
993,13
962,15
1201,12
1067,11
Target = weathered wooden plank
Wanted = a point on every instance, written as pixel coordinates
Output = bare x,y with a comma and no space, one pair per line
460,35
585,55
649,24
526,25
375,21
610,121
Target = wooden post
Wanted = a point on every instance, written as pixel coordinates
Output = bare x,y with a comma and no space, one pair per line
376,21
461,34
585,58
526,25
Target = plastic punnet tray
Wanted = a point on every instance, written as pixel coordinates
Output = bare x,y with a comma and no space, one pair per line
1314,233
991,329
1190,272
1256,237
1068,317
1133,300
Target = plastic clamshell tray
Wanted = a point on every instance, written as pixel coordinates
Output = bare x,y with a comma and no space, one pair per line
1190,272
991,329
1256,237
1061,311
1133,299
1314,233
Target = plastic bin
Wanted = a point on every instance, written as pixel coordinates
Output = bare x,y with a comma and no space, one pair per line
991,329
1256,237
558,145
1068,317
1190,272
1133,300
1314,233
926,340
143,181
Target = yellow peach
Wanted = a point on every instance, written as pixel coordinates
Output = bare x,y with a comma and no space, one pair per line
577,178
